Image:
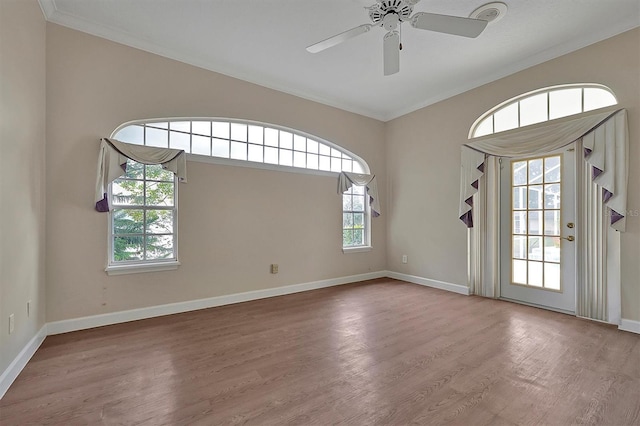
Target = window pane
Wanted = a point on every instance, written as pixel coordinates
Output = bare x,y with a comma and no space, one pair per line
506,118
336,153
127,248
485,127
535,197
358,220
552,249
324,149
534,251
159,221
312,146
535,224
520,222
552,276
127,192
238,133
201,128
519,247
271,137
157,137
552,222
519,271
519,172
159,247
347,220
182,126
131,134
238,150
552,169
255,153
159,124
128,221
534,110
552,196
346,165
357,167
220,148
347,237
595,98
312,161
270,155
179,141
357,189
156,172
358,237
299,159
325,163
286,140
201,145
535,273
565,102
336,164
299,143
519,199
220,129
160,193
358,203
256,134
535,171
347,204
286,157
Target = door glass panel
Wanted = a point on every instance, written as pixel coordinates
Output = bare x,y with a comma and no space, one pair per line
536,222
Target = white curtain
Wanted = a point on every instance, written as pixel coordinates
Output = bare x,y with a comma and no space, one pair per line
347,179
605,139
112,163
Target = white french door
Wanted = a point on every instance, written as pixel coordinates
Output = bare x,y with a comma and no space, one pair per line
537,230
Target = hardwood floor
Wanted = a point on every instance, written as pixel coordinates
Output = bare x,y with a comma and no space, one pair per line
379,352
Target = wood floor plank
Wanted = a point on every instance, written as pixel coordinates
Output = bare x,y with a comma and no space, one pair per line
380,352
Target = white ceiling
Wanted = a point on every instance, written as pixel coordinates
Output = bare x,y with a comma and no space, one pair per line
264,41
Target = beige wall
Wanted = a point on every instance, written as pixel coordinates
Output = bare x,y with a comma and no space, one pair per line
423,154
233,222
22,137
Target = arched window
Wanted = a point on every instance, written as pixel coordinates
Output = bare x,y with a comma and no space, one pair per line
543,105
143,231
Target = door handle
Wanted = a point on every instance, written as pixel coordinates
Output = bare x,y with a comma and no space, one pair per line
569,238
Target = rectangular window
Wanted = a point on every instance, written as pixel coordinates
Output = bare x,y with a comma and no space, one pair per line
354,217
144,216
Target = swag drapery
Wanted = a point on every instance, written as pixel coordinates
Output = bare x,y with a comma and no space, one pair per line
112,164
603,142
347,179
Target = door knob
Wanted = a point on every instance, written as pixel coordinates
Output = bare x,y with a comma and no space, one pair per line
570,225
569,238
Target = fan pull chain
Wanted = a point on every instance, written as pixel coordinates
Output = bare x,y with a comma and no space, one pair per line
400,30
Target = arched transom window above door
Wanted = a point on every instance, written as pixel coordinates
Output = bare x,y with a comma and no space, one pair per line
542,105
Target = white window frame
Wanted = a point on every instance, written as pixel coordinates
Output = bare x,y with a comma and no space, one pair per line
139,266
489,115
245,162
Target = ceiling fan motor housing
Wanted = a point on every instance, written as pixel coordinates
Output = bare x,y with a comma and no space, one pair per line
389,13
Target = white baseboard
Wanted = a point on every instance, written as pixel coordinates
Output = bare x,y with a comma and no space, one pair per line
455,288
20,361
629,325
83,323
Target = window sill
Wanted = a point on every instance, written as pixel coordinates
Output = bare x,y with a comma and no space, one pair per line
358,249
141,268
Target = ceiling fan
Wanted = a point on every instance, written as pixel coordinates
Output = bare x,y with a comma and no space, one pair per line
390,14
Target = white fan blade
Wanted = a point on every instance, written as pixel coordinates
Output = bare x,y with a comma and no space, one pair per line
337,39
391,51
466,27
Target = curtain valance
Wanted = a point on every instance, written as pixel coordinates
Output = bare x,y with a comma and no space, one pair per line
347,179
112,164
606,141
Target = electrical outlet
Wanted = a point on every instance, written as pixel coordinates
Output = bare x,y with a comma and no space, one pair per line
405,259
274,268
28,308
12,323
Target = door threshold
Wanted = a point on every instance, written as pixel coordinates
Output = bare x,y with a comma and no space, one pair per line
533,305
